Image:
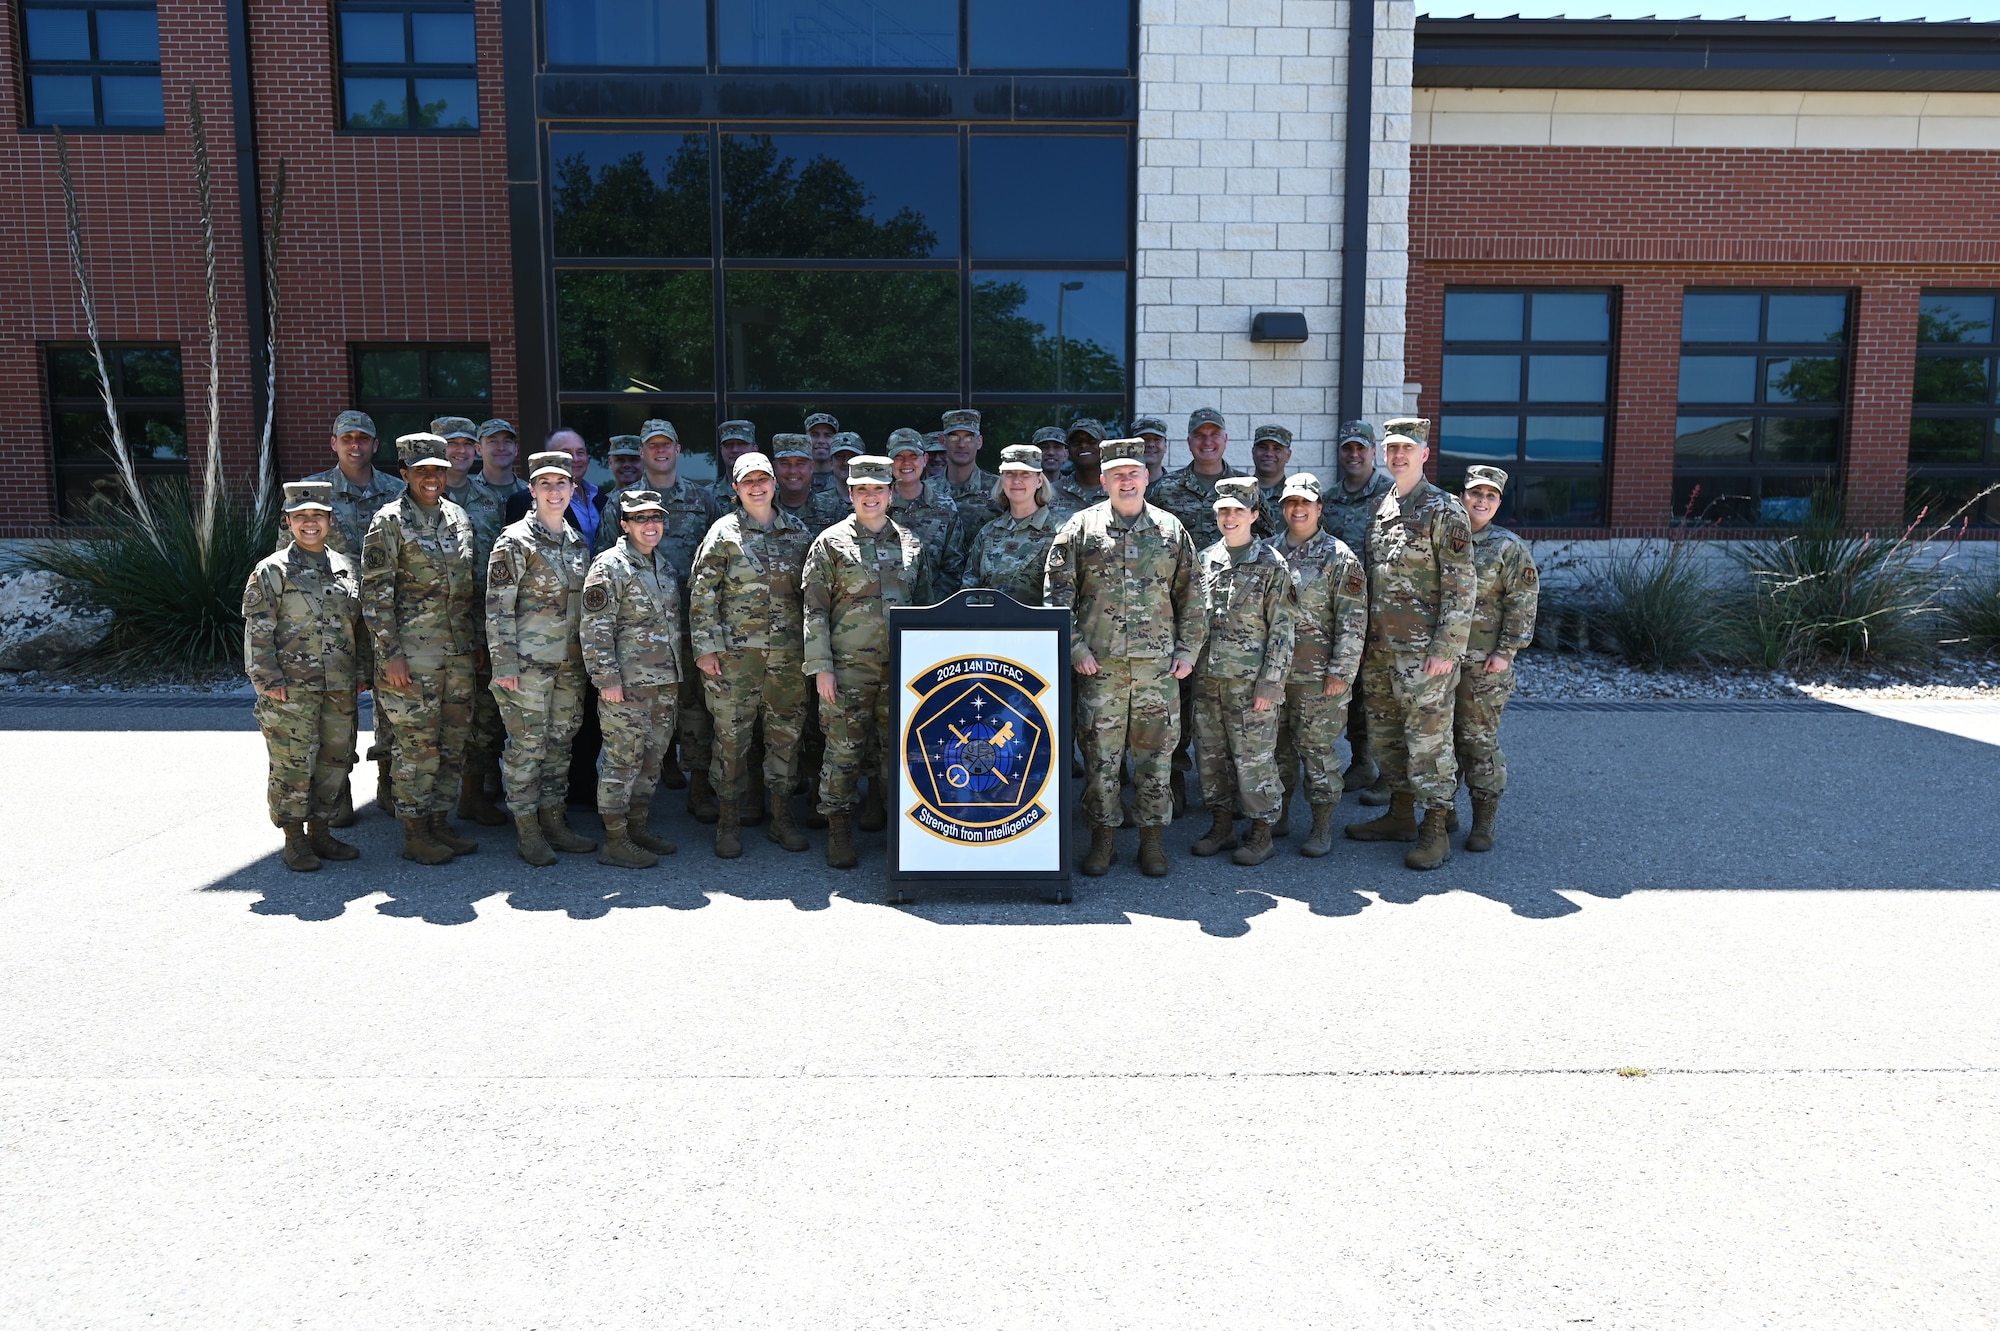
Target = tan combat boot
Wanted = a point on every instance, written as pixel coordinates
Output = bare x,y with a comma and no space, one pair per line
1152,852
324,844
1283,827
874,807
840,840
640,833
1321,839
473,804
1399,824
701,803
1484,807
299,857
729,830
1103,853
530,844
556,831
418,846
1433,847
619,852
1221,833
782,830
442,834
343,810
1256,847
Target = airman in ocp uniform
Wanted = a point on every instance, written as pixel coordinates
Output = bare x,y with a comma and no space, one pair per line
820,428
1329,630
1248,607
483,511
627,464
924,508
631,633
1010,553
969,484
1082,485
745,623
419,596
499,448
1348,506
732,440
534,604
1127,569
1503,624
855,570
816,509
302,638
1421,591
1270,454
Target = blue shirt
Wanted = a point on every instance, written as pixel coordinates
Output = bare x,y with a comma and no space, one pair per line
583,508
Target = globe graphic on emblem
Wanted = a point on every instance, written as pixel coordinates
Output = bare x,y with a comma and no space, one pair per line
978,756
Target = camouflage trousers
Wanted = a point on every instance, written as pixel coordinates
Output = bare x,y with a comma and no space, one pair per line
1475,727
1308,726
483,740
1409,727
1238,748
310,739
542,717
695,730
758,694
637,733
432,718
1130,705
859,711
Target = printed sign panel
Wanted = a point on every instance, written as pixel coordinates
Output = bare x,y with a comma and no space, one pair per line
980,785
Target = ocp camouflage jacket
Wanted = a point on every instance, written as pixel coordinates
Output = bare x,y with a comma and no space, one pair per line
419,590
1130,582
1248,603
534,596
302,621
1420,581
852,576
746,585
1332,621
631,626
1503,616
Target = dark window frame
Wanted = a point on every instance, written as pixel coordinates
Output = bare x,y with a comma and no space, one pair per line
1753,473
409,71
95,69
1522,407
66,476
1986,472
432,405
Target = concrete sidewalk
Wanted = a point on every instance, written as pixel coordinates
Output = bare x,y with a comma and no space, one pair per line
1326,1093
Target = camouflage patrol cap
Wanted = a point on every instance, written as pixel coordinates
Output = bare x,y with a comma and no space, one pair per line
421,450
1357,431
1236,492
1021,457
304,496
1201,416
1121,453
845,442
750,464
552,461
743,430
870,471
1274,432
905,440
495,426
634,502
656,427
1301,485
790,446
1094,428
1051,434
1143,425
962,419
1488,476
347,422
1414,428
623,445
934,442
454,427
819,418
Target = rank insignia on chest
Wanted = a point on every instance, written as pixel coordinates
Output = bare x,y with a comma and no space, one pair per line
595,598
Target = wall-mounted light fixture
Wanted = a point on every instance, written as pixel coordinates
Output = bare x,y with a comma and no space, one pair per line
1278,326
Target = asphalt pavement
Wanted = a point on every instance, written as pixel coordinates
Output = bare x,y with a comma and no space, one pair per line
1322,1093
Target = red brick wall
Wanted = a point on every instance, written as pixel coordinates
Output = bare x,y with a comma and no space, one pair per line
1652,221
390,239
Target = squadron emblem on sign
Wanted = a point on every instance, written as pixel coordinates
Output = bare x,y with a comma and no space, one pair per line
979,750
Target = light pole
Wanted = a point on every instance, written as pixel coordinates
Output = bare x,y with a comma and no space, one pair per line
1062,290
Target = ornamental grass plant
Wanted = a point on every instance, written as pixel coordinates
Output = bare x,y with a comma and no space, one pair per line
1662,609
1972,612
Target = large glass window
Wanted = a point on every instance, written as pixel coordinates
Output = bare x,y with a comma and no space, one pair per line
840,196
406,386
1762,381
638,33
1050,34
146,394
839,34
1527,387
93,64
1954,448
408,65
641,196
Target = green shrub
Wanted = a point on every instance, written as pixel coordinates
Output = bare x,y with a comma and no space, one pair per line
176,606
1972,610
1662,609
1823,595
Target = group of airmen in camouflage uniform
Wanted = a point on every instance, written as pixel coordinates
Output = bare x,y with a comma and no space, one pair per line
734,638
